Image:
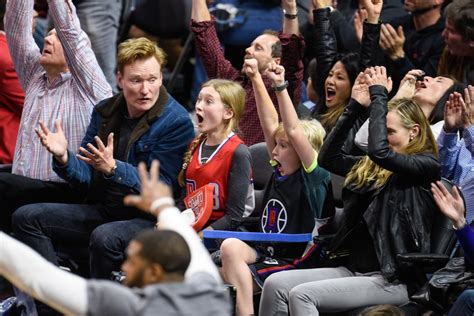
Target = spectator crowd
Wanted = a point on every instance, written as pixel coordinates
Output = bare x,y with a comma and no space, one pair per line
129,137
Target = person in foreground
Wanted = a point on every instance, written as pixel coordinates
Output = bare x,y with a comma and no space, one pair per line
452,205
170,269
387,209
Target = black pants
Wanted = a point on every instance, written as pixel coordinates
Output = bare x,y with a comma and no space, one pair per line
16,191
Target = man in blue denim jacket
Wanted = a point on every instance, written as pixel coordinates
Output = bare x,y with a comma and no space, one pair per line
142,123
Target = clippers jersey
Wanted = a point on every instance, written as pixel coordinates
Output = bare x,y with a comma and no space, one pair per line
214,171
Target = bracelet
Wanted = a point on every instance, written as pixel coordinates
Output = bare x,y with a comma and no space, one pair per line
281,87
290,16
156,204
462,226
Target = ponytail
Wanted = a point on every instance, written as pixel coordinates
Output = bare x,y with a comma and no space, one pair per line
187,158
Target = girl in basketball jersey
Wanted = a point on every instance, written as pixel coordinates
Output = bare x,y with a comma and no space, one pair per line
295,195
217,156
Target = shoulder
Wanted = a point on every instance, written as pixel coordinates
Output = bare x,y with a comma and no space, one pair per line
317,176
175,108
241,153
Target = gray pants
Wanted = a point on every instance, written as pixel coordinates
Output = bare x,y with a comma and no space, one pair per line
308,292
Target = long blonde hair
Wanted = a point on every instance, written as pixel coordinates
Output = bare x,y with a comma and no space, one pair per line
366,172
233,97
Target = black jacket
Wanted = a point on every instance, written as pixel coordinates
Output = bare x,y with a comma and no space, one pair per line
400,214
325,52
422,48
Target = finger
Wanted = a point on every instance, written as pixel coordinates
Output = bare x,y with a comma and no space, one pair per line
400,33
132,200
387,35
110,141
467,97
84,152
443,189
446,109
100,144
383,43
144,179
43,127
456,194
85,159
95,152
41,136
155,170
391,31
471,94
57,126
437,195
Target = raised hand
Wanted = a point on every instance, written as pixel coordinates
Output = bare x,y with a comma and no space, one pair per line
373,8
452,205
251,68
151,189
408,84
55,143
453,113
276,73
392,41
378,76
318,4
358,23
468,109
360,90
101,158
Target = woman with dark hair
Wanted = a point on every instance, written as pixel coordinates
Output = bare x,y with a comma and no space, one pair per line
387,209
335,72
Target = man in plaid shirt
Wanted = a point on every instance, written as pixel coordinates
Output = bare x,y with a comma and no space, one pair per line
64,81
285,48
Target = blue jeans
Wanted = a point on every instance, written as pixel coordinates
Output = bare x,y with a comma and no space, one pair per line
108,243
45,226
464,305
100,19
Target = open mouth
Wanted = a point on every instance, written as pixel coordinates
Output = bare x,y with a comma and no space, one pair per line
330,94
275,163
199,118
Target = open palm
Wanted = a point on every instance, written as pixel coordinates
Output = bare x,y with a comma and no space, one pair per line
54,142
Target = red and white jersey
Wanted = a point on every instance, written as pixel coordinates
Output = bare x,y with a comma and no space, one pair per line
214,171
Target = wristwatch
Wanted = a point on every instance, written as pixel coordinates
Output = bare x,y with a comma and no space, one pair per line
290,16
281,87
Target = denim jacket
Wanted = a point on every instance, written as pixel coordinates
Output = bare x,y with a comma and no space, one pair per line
163,133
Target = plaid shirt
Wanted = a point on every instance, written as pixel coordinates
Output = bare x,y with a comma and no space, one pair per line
69,97
208,45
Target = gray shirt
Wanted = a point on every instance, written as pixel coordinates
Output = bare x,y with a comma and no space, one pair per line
200,294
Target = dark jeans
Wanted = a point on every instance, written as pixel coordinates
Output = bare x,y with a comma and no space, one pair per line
464,305
108,244
16,191
44,226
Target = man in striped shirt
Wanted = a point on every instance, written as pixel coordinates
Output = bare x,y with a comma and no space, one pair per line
64,81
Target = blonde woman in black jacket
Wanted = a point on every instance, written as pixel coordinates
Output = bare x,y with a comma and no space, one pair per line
387,209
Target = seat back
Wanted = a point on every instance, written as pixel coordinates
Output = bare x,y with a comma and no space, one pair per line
262,172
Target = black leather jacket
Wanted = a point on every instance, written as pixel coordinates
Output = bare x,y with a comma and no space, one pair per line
325,51
399,217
